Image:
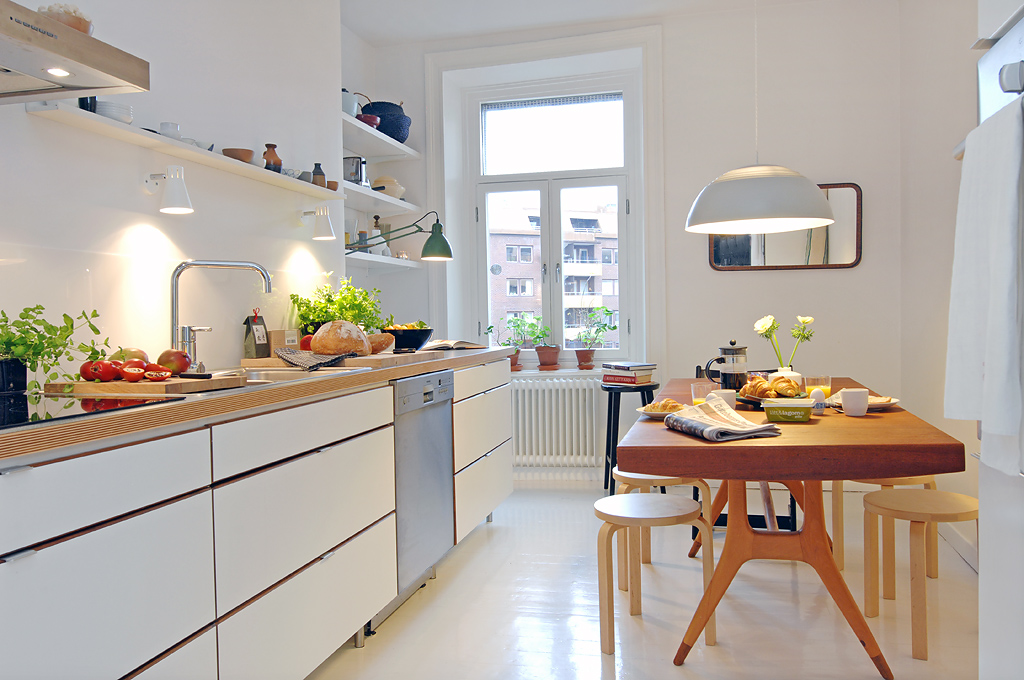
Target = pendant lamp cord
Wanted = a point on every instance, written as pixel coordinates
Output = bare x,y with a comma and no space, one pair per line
757,159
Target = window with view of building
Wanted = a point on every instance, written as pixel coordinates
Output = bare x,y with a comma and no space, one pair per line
609,286
520,287
609,256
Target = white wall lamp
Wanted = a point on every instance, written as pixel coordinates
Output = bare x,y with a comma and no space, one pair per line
759,199
323,230
175,200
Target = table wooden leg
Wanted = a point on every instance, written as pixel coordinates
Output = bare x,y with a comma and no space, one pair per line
717,505
810,544
870,564
838,534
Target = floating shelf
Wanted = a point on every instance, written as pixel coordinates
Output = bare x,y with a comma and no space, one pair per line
378,263
74,116
374,146
365,199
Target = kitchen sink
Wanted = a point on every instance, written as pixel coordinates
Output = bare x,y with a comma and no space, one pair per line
264,376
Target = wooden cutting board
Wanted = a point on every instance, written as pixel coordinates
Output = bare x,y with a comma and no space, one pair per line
383,360
169,386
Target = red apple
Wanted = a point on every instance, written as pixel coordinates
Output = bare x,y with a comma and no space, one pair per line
174,360
306,343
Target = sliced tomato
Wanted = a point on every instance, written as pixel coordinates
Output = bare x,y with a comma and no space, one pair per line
157,376
132,373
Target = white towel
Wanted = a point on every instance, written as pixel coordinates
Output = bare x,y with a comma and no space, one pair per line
983,353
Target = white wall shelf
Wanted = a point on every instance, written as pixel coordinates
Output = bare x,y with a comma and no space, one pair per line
378,264
365,199
72,115
374,146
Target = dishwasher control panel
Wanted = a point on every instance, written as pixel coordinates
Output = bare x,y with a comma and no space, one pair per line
423,390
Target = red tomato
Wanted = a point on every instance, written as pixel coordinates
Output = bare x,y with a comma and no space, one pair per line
132,373
86,371
306,343
157,376
155,367
117,365
103,370
134,363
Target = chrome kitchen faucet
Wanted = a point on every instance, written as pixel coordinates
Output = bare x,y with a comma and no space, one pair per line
187,339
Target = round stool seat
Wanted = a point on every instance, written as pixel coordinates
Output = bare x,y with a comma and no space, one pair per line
898,481
638,510
922,505
640,479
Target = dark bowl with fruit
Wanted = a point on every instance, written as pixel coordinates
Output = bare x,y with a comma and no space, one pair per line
410,339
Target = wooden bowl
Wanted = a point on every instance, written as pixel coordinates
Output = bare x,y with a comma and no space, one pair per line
332,185
244,155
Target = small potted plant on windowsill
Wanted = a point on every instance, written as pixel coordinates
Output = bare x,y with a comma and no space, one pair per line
592,336
547,354
516,328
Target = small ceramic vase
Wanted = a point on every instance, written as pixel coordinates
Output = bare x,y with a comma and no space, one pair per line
319,178
273,160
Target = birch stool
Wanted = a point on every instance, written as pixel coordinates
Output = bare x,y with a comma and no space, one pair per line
920,507
632,512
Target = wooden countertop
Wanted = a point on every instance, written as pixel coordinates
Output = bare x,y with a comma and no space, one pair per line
44,442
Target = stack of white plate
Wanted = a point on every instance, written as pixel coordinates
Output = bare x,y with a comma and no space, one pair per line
121,112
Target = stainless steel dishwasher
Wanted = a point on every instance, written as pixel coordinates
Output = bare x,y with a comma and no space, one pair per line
424,482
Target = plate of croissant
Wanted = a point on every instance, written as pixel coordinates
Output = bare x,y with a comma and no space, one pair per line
659,409
759,388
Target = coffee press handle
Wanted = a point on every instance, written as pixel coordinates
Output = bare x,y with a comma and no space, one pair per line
716,360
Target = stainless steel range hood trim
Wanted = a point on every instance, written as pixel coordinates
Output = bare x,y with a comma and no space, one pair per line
30,43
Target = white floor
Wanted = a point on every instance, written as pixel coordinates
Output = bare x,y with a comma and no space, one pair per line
518,599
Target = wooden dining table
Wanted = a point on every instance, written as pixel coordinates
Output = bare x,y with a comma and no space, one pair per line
881,444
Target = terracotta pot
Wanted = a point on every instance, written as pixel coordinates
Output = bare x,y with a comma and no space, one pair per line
516,366
548,356
585,359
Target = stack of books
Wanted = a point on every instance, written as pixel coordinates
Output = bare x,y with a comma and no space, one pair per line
628,373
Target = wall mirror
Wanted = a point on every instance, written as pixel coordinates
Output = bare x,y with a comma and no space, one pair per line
836,246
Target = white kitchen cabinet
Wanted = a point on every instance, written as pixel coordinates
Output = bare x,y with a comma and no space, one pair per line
272,522
482,422
292,629
104,602
42,502
196,660
481,487
477,379
249,443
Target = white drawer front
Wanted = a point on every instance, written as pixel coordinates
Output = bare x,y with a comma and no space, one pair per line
481,423
101,604
482,487
42,502
249,443
195,661
271,523
477,379
289,631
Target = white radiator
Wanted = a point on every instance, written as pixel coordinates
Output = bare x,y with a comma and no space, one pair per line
556,422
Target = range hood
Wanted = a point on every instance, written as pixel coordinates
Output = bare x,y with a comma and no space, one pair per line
31,43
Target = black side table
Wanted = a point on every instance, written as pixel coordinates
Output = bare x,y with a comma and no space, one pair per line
612,440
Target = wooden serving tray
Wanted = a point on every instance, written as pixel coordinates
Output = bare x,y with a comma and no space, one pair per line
382,360
169,386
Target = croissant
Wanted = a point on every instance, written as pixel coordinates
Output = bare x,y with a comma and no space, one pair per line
763,390
664,406
785,387
750,388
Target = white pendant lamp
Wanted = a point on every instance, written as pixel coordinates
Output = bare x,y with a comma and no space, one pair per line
759,199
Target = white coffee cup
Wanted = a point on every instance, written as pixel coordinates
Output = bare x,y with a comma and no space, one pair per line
170,130
728,395
854,401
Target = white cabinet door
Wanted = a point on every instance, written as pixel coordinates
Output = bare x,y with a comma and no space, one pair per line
477,379
292,629
101,604
481,423
271,523
482,487
249,443
39,503
195,661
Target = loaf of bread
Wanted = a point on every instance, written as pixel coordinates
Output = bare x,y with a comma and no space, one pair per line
340,337
380,342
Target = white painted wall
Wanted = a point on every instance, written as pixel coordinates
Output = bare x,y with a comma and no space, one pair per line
237,73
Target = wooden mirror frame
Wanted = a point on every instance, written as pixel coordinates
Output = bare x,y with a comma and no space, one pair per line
856,260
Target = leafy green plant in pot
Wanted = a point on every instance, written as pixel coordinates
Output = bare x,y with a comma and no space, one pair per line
538,334
592,336
31,343
348,302
516,329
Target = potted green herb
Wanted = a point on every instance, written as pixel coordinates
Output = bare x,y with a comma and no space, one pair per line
348,302
516,328
538,334
31,343
592,335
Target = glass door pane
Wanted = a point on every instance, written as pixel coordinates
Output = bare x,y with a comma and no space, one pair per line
589,270
513,221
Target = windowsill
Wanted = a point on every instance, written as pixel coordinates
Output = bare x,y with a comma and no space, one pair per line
562,372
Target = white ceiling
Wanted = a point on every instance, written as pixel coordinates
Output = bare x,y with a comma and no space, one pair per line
387,22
